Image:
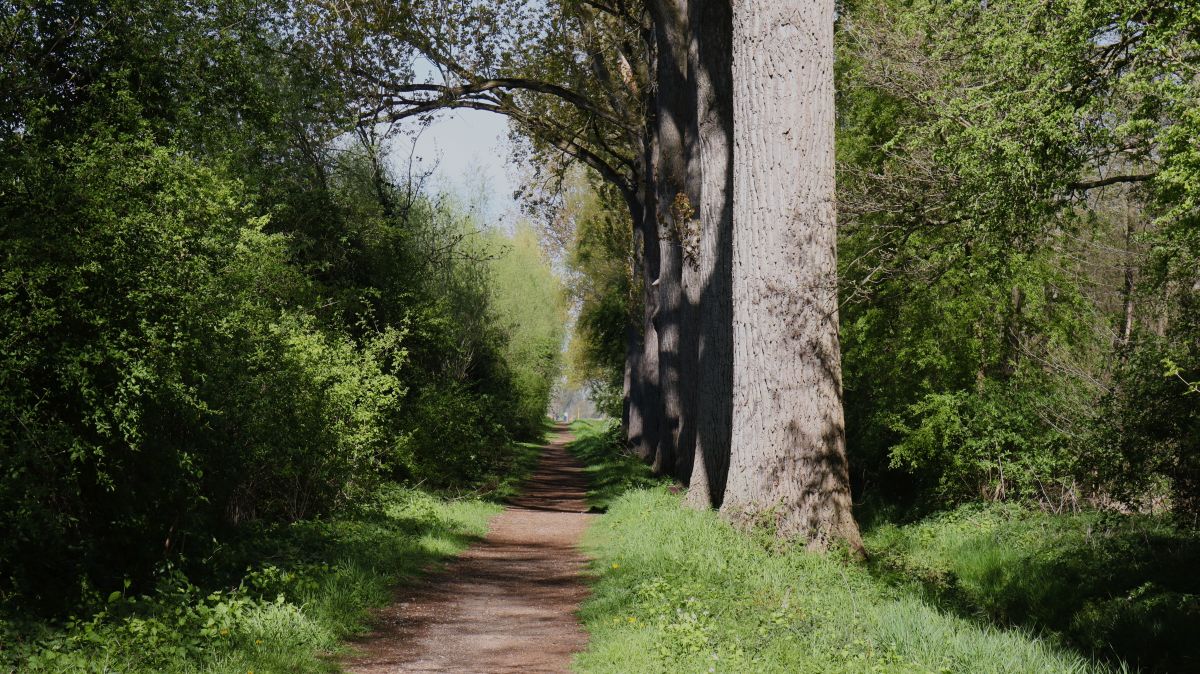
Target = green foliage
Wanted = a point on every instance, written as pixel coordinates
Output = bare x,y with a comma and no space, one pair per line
1157,434
601,261
457,438
1006,311
985,444
284,616
218,311
529,301
1115,586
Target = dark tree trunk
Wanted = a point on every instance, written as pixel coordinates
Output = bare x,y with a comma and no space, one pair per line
633,413
645,443
707,281
688,230
670,175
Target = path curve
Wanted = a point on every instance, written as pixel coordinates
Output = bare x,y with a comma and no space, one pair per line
508,603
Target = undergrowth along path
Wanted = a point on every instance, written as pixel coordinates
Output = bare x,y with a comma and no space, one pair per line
508,604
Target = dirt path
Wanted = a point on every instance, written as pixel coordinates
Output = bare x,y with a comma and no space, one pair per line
508,603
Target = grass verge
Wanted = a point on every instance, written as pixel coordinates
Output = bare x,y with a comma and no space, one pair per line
681,591
610,470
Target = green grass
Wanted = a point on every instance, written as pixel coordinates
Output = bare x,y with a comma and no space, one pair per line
276,599
310,588
1119,587
611,470
677,590
681,591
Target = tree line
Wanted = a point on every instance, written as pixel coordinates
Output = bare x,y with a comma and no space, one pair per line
1012,272
737,297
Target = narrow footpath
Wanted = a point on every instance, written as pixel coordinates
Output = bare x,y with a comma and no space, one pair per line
508,603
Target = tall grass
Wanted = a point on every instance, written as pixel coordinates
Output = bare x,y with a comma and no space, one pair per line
1118,587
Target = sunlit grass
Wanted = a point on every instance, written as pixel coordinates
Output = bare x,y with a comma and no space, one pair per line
681,591
610,471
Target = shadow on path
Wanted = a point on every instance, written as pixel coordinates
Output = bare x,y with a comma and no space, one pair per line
508,603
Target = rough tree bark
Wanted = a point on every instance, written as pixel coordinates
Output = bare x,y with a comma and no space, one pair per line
707,281
688,231
788,460
646,443
670,176
633,409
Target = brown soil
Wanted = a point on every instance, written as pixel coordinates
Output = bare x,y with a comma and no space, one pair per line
508,603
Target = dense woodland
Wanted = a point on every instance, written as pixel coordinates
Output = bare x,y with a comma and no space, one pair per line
859,275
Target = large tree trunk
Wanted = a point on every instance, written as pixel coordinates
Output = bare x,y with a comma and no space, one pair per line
670,174
689,239
788,461
645,444
707,281
633,409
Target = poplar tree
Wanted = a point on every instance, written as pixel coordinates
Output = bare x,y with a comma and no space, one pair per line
788,465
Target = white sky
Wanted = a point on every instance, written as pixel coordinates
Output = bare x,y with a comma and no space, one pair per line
468,151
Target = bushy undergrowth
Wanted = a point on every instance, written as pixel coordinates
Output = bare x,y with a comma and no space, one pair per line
307,587
1121,587
219,310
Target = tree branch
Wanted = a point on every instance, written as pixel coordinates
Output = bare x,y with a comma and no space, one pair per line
567,145
1111,180
503,84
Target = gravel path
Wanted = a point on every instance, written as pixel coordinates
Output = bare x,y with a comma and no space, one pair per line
508,603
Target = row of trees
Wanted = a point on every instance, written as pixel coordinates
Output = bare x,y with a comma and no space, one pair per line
219,308
1017,197
731,211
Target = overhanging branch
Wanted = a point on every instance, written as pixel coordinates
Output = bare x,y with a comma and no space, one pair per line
567,144
1112,180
